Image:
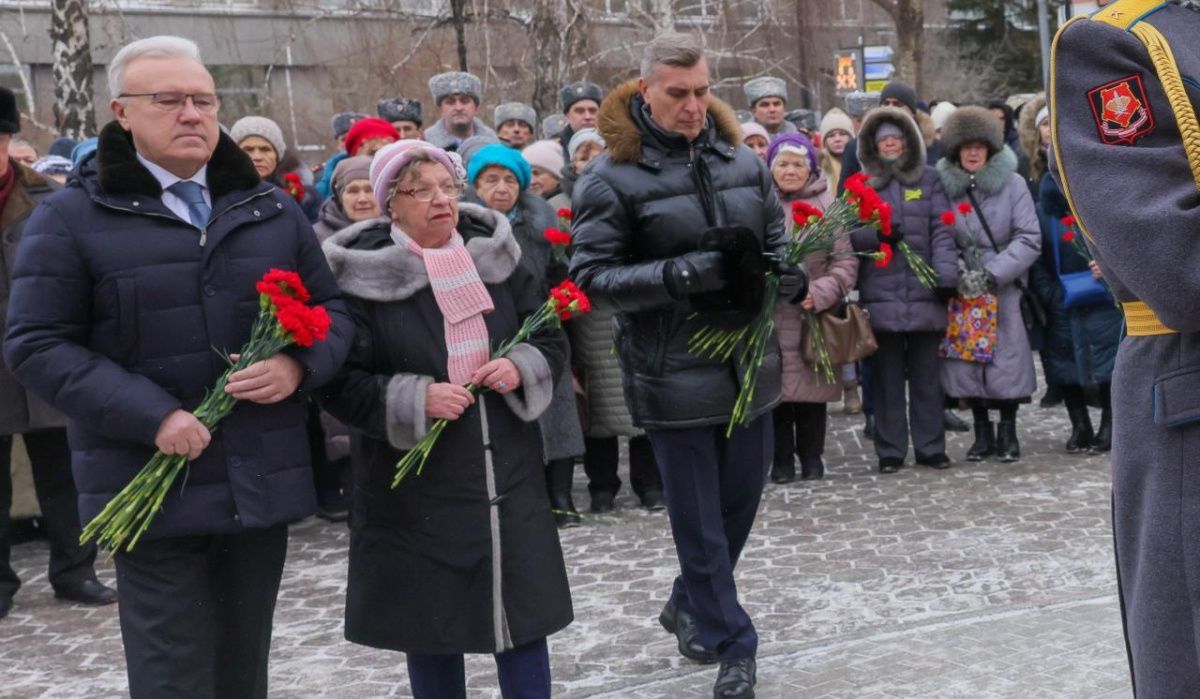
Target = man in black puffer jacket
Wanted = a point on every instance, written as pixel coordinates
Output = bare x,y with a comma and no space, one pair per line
127,285
650,216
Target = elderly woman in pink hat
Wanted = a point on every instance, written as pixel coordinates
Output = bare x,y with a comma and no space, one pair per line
464,557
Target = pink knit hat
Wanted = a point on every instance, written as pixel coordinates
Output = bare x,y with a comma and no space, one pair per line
392,158
753,128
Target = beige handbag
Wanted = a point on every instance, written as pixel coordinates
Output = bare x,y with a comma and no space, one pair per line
848,335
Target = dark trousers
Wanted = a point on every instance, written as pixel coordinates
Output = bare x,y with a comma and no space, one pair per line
908,359
196,613
50,459
524,673
799,430
713,486
866,381
602,458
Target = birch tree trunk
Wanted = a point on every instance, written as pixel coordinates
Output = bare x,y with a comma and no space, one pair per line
74,110
909,18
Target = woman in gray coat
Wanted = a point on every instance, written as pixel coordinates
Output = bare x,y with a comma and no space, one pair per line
1000,236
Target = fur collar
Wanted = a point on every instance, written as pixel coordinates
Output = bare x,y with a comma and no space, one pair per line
909,168
1189,4
623,136
369,265
992,179
120,171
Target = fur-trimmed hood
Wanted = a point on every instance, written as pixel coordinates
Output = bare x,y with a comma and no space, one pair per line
119,172
972,125
909,168
369,265
625,136
992,179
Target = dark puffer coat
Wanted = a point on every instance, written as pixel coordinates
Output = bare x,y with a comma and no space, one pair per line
1080,347
118,315
20,411
464,557
895,298
647,200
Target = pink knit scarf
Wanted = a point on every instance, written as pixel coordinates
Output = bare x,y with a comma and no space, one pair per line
461,297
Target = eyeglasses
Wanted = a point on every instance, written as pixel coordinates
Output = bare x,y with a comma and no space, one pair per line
205,103
428,194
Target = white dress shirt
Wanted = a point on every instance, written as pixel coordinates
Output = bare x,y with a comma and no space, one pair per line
177,206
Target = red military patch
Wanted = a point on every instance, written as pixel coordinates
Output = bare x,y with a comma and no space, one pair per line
1122,111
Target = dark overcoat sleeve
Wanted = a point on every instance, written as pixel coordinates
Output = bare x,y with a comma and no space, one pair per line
49,319
601,239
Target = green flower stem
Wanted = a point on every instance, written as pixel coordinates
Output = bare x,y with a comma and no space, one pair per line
125,518
816,337
925,274
414,459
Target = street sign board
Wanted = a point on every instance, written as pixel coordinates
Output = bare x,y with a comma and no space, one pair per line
849,71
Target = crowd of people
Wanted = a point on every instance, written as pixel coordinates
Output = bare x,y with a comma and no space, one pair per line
138,254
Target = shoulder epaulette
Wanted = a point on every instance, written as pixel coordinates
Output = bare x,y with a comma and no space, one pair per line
1125,14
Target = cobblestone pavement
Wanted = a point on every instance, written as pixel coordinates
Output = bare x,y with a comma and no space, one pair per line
985,580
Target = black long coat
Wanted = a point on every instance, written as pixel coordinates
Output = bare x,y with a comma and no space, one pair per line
464,557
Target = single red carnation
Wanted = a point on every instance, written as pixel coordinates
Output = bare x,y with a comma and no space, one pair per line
1069,237
885,218
278,281
949,218
888,254
964,208
1068,221
565,214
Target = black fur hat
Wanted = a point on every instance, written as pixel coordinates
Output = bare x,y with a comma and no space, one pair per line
743,253
10,118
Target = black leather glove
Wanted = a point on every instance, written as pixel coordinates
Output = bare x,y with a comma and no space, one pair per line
696,273
793,282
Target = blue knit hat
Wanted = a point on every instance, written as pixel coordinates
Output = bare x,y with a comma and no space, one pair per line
500,154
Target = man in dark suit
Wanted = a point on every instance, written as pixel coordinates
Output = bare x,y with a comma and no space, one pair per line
125,282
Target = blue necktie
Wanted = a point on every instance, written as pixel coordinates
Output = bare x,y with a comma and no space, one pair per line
193,195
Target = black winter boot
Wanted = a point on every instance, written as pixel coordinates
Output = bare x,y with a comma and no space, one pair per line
985,441
560,474
1008,449
1102,444
1082,434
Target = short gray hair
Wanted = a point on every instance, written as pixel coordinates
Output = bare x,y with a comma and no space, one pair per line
671,49
163,46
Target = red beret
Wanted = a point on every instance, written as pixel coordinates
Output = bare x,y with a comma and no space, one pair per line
366,129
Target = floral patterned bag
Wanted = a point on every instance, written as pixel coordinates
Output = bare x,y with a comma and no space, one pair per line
971,335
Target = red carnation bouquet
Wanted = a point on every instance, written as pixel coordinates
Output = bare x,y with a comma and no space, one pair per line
873,207
1071,235
560,238
566,301
812,231
294,186
284,319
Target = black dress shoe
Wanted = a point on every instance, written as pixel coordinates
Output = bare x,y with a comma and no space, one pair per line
938,461
603,502
5,605
683,626
87,592
869,426
812,469
654,501
890,464
782,475
736,679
